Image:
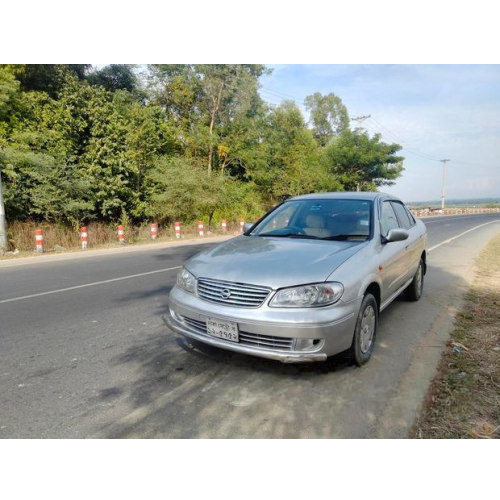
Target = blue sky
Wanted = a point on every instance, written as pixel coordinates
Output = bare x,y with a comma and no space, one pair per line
434,111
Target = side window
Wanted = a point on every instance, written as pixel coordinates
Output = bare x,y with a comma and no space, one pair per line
404,220
388,218
410,215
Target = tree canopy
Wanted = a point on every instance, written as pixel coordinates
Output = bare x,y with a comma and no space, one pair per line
179,142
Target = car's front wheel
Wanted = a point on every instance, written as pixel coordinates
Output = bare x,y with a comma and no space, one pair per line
366,330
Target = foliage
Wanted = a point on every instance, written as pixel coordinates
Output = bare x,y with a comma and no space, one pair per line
362,162
186,142
114,77
49,78
329,116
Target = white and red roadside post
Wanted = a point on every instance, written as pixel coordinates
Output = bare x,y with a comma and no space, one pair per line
201,229
83,237
242,224
224,226
121,234
154,231
39,239
177,227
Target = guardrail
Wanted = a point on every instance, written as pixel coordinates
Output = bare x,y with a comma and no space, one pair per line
428,212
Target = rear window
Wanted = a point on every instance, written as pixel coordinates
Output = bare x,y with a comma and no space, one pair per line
402,214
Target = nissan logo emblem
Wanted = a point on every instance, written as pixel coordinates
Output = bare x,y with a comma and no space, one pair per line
225,294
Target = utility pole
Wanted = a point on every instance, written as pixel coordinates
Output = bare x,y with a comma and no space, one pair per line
442,186
3,226
360,119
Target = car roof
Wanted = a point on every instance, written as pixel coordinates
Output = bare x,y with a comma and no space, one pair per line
343,195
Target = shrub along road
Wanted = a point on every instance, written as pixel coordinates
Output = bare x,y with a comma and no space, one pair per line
84,353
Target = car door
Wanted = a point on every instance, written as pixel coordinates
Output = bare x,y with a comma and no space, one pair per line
413,243
393,255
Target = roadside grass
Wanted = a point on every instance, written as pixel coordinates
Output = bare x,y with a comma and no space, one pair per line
464,398
59,238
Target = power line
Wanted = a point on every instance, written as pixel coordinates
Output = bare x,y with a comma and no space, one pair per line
404,148
276,97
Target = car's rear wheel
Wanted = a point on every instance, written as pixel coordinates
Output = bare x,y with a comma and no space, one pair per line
414,290
366,330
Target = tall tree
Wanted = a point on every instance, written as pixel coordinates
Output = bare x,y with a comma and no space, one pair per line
205,99
292,165
329,116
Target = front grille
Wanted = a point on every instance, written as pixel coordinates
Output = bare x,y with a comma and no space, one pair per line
232,294
266,341
249,339
199,326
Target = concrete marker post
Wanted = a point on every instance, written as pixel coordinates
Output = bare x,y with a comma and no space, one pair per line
201,229
154,231
121,235
83,237
39,239
177,228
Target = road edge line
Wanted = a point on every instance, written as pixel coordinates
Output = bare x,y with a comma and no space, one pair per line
461,234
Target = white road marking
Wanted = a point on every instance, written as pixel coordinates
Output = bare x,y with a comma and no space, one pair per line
461,234
96,283
121,278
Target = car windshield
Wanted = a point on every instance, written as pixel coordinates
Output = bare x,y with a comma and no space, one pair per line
328,219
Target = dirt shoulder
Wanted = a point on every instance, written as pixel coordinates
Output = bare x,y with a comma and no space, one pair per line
464,398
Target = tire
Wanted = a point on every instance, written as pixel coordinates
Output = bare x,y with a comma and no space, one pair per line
365,332
414,290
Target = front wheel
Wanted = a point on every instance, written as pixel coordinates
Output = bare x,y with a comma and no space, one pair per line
414,290
365,332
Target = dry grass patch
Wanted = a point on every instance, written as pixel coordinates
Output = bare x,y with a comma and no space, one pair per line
464,398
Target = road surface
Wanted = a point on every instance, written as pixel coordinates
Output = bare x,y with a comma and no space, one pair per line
84,353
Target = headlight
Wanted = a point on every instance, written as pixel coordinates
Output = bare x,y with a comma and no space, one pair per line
320,294
186,280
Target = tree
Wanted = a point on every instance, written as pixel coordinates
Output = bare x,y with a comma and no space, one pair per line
48,78
361,162
37,159
114,77
292,165
204,100
329,116
9,92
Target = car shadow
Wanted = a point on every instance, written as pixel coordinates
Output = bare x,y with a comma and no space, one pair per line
187,389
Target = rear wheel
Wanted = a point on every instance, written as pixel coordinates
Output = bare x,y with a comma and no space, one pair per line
365,332
414,291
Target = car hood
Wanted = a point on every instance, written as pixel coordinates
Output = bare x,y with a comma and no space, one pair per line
272,262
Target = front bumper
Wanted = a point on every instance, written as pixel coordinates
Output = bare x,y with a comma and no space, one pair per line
332,328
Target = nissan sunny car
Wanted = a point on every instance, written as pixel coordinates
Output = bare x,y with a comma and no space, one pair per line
305,282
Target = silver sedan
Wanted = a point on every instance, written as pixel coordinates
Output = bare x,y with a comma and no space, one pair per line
307,281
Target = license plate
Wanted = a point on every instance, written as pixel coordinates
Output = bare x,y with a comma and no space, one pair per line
223,329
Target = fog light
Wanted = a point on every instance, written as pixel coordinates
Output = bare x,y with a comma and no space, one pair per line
308,344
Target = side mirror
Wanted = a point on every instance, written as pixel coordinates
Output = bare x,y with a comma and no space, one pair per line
247,226
396,235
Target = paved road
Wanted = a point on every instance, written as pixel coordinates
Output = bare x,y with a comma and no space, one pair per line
84,353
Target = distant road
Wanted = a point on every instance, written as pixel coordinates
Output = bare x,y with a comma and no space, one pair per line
84,353
441,228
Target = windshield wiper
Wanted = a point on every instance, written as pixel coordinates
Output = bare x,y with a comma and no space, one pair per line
344,237
291,235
